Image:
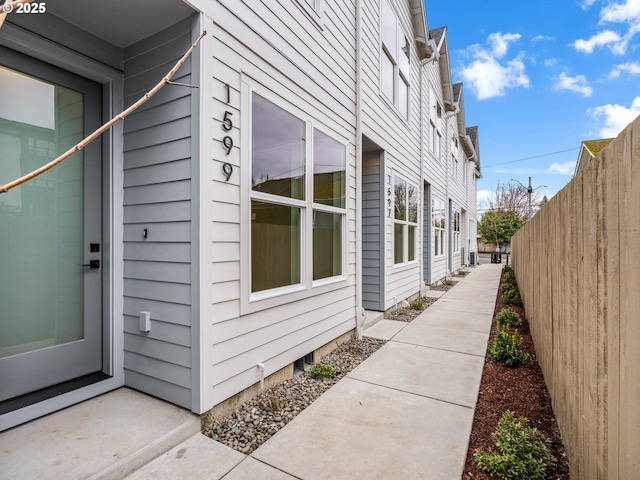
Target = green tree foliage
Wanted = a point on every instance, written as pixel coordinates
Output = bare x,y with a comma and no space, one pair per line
498,226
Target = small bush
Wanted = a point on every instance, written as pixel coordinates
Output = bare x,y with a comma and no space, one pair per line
508,317
418,304
511,296
508,348
448,283
319,371
524,451
508,278
507,269
461,273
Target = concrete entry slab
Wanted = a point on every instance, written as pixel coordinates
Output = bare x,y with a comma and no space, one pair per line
440,374
445,338
196,457
385,329
358,430
106,437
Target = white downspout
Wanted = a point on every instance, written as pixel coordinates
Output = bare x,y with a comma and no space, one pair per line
360,317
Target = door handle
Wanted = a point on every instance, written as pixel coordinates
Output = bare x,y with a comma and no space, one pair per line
92,264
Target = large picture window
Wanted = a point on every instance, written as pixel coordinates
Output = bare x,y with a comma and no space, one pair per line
297,225
405,221
439,223
395,60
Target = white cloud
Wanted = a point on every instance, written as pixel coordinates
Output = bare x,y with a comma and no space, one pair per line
586,4
500,42
604,38
487,76
484,197
626,13
540,38
616,117
632,68
629,11
565,168
576,84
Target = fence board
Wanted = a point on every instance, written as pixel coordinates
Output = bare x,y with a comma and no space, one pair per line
578,268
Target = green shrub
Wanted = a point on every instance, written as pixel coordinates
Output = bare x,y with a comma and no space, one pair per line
508,278
524,451
507,268
418,304
448,283
461,273
319,371
508,317
508,348
511,296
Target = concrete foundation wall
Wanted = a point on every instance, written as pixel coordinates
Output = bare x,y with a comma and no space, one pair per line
577,263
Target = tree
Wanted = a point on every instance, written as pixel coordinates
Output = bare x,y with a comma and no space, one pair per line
512,197
498,226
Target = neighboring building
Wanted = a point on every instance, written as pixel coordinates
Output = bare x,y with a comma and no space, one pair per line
219,233
588,151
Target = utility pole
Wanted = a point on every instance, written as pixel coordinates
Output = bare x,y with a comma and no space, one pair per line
529,191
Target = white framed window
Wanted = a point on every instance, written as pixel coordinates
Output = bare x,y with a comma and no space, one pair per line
297,201
456,232
395,60
405,221
438,222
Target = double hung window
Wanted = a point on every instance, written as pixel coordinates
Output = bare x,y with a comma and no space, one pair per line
456,232
438,222
395,60
405,221
298,187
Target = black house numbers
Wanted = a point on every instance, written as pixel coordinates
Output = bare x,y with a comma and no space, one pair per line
227,141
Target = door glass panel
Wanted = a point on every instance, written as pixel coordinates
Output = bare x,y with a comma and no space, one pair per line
41,221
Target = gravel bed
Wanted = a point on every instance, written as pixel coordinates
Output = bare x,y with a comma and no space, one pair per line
442,287
261,417
407,314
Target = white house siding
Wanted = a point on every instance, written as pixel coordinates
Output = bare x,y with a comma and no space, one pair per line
307,66
158,168
397,137
435,159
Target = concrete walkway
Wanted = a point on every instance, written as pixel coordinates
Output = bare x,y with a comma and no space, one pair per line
405,412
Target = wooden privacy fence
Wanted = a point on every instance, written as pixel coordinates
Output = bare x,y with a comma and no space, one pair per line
577,263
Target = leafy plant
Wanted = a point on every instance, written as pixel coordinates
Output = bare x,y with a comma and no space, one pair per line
508,348
418,304
508,278
507,269
461,273
511,296
508,317
319,371
524,451
448,283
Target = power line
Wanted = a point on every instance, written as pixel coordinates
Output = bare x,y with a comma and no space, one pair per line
529,158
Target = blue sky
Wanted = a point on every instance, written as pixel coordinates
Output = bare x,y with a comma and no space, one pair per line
539,78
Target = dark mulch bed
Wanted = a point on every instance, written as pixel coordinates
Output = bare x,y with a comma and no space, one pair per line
521,390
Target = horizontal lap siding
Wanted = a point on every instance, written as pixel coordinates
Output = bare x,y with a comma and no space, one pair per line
399,138
157,197
276,48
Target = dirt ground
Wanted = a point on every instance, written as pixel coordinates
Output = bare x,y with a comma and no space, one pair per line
521,390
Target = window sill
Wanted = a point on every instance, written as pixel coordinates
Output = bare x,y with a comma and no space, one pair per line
283,295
